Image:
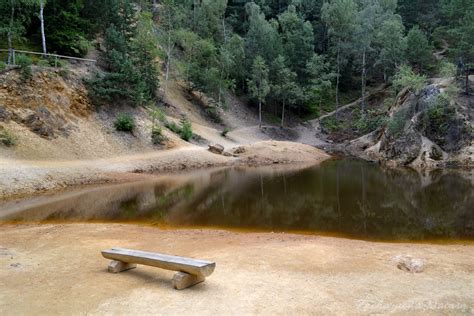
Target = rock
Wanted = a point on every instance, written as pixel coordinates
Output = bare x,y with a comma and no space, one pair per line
239,150
4,114
216,148
436,153
403,149
409,264
227,154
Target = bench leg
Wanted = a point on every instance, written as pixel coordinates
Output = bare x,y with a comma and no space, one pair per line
119,266
182,280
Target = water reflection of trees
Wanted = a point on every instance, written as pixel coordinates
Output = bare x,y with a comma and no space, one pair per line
350,197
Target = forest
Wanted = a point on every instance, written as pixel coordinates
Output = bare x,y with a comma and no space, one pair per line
305,56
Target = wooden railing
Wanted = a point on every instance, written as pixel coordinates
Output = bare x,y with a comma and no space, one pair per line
55,56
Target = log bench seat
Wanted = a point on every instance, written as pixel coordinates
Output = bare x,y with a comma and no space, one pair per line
190,271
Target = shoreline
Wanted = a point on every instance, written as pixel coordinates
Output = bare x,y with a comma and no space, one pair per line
21,178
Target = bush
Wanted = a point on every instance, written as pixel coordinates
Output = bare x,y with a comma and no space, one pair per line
439,115
224,132
447,69
24,62
406,78
172,126
43,63
331,124
7,138
396,124
2,66
186,131
214,113
124,123
157,137
369,122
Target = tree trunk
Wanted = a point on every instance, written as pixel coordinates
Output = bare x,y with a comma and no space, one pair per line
364,72
338,75
10,35
466,72
283,115
43,37
260,113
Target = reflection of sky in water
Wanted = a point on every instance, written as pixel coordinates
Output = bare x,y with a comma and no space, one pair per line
346,197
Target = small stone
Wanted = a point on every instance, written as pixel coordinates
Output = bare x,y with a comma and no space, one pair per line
216,148
409,264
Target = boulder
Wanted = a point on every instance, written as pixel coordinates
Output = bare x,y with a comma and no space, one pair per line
409,264
216,148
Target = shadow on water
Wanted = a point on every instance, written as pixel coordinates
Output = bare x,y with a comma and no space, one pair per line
343,197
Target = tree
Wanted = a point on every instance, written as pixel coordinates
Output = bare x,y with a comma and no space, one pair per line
297,38
390,45
12,23
320,79
406,78
366,30
258,84
459,27
340,16
418,49
262,38
166,31
41,17
284,85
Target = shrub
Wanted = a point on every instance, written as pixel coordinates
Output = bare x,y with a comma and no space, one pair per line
439,115
2,66
157,137
124,123
186,131
331,124
447,69
396,124
43,63
369,122
406,78
224,132
214,113
24,62
172,126
7,138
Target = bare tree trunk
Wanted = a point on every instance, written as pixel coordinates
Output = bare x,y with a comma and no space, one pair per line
283,114
466,72
43,37
338,75
260,113
10,35
364,73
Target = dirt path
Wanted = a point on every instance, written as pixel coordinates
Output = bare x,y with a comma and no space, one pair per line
439,54
58,269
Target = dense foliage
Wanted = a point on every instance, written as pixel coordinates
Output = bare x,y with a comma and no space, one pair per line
298,55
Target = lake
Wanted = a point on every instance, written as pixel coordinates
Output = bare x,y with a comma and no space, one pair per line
345,197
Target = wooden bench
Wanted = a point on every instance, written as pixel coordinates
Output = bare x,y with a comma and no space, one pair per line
191,271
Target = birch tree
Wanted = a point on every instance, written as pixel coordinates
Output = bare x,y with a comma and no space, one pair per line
340,17
258,84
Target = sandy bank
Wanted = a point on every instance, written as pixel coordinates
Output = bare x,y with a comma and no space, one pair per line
21,177
57,269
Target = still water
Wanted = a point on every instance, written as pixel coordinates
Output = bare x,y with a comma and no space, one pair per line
339,197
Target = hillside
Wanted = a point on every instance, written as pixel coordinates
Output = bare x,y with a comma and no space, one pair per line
62,140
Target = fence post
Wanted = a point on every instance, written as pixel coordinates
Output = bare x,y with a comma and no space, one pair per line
56,61
13,54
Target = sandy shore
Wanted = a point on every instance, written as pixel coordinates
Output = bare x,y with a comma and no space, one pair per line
58,269
24,177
